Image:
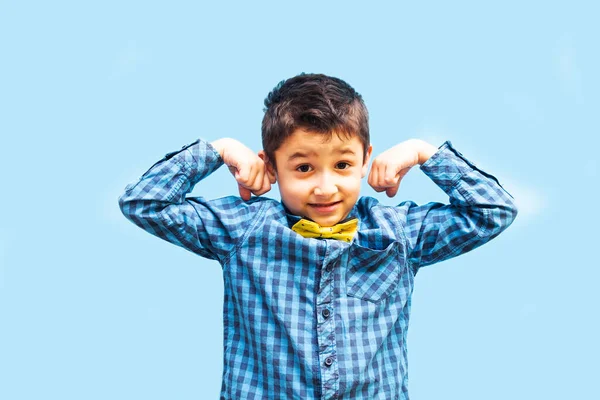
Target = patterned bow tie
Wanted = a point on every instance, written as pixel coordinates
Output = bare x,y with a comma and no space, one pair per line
342,231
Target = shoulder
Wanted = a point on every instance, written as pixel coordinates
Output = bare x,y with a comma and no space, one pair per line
388,219
375,215
268,208
369,209
235,217
235,205
379,226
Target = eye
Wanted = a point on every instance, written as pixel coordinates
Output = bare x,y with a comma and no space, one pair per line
303,168
342,165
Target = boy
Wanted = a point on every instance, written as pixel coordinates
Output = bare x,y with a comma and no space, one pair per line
317,286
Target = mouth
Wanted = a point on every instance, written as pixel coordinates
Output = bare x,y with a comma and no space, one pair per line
325,207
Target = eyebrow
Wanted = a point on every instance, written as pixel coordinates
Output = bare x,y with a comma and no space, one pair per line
345,151
300,154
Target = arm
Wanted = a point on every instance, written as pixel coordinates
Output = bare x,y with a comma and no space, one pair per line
479,209
157,202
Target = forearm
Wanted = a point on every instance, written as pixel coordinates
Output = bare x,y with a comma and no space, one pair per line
479,210
168,181
473,190
158,204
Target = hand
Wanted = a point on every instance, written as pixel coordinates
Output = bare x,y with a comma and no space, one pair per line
388,168
248,169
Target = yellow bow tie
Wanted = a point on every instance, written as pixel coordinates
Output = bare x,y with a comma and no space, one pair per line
310,229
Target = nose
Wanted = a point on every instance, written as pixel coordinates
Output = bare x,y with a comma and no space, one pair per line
326,185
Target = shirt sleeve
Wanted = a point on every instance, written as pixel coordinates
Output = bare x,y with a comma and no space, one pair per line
158,204
479,210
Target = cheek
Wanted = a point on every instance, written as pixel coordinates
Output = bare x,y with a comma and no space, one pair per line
292,190
352,184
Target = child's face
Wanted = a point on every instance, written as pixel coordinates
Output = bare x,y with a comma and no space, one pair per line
319,177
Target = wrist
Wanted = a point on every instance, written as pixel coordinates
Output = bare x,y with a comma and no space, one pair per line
220,145
425,150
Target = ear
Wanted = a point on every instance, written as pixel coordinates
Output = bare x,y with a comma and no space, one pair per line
365,167
269,166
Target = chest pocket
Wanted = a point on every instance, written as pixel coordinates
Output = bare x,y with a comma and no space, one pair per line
373,275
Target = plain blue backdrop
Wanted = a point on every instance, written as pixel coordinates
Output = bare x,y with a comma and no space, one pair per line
93,93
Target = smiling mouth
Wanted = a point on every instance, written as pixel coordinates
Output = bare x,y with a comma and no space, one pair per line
325,206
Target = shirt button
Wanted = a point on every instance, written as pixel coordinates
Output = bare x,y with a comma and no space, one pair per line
329,267
326,313
328,361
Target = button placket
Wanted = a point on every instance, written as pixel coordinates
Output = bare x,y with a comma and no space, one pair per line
326,326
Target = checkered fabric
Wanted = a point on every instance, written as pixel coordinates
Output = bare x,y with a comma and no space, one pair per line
317,318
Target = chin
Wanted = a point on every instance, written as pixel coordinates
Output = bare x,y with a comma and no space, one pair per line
327,221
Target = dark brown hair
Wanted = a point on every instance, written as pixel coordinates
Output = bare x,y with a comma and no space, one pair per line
316,103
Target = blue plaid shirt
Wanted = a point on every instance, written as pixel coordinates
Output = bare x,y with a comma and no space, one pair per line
317,318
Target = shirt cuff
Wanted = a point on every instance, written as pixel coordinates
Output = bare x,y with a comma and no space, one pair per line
200,158
447,166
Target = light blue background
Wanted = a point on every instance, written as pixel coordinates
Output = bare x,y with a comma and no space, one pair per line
93,93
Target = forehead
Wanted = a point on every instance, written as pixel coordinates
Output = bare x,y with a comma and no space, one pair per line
302,142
